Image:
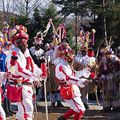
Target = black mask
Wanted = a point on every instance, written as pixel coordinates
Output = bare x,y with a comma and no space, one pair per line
22,48
22,45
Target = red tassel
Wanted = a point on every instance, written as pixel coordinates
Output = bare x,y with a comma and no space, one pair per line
25,116
60,69
13,60
14,53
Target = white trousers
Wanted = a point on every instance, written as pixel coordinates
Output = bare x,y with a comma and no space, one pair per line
25,108
76,104
2,112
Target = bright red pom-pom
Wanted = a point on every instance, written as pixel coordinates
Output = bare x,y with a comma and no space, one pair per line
60,68
14,53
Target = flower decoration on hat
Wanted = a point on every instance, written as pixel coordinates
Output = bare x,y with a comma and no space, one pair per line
65,51
86,39
18,32
107,48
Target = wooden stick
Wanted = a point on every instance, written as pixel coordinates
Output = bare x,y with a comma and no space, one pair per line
46,107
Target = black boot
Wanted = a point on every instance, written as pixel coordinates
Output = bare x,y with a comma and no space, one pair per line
59,104
86,106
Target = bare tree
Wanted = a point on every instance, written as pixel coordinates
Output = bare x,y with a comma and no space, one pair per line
26,7
7,7
11,8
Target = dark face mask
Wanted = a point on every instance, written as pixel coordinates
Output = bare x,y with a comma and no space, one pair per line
84,53
22,48
22,45
69,58
37,47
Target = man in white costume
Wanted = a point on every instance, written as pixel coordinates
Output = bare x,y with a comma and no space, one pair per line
24,73
69,83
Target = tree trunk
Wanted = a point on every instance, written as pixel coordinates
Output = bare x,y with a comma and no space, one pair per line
104,24
27,2
76,29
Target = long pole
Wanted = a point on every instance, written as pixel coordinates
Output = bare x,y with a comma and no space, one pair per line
46,107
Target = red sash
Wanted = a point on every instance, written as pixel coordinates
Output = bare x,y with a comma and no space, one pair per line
67,92
14,93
